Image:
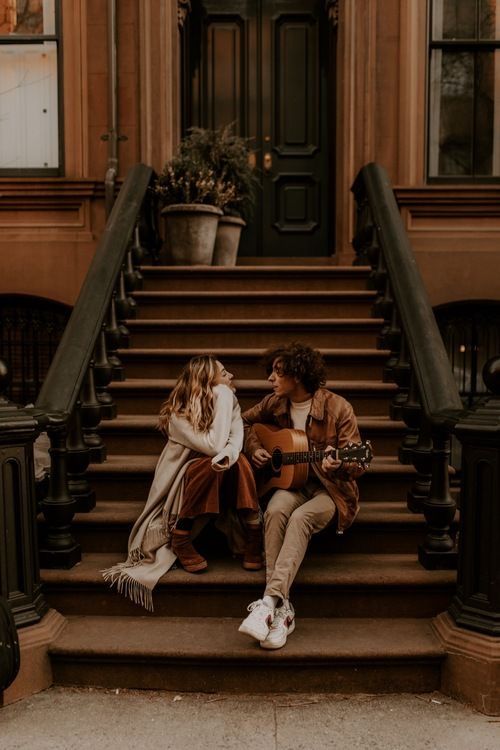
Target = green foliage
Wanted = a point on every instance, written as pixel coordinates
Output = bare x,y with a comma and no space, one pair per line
188,180
211,166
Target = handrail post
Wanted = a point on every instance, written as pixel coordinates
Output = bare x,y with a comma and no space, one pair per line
438,549
78,461
59,549
91,416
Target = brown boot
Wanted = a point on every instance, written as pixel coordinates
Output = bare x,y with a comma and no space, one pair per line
252,557
186,553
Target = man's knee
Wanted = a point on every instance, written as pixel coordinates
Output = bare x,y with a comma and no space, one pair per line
280,505
311,519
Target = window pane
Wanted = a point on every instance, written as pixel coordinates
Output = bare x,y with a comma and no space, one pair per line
489,19
27,17
487,155
454,19
452,113
28,106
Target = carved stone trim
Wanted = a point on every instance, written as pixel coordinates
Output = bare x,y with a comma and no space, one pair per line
183,8
332,9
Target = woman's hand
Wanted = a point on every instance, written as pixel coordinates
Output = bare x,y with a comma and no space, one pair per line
260,458
221,465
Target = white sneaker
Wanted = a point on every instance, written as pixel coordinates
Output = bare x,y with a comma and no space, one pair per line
283,625
258,622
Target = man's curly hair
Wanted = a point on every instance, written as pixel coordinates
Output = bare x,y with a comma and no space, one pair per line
299,361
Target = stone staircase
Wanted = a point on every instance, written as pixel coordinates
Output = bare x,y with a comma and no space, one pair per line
363,602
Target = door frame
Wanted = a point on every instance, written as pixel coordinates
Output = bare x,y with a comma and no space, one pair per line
191,8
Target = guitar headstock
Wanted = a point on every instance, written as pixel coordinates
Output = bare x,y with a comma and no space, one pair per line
357,453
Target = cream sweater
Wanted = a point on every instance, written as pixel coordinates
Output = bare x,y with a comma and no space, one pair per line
149,554
223,440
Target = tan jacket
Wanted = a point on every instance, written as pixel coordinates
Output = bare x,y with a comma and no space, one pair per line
332,422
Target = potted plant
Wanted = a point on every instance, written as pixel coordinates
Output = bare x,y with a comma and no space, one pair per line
227,156
193,198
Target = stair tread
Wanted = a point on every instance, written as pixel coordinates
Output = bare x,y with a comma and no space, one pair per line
184,638
254,322
247,351
166,383
319,569
149,422
271,270
126,512
146,463
365,294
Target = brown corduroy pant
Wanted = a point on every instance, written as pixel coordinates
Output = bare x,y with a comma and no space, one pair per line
208,491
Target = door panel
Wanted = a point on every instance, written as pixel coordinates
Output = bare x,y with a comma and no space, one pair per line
259,64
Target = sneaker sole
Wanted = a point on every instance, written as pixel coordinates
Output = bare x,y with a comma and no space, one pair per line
252,633
270,645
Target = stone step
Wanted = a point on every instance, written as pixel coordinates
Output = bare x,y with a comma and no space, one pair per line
254,304
254,277
133,433
209,655
145,395
380,527
128,477
329,585
251,332
343,364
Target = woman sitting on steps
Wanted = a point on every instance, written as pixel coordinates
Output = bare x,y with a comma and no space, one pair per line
200,473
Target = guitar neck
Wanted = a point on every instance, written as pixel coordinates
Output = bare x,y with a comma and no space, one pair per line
307,457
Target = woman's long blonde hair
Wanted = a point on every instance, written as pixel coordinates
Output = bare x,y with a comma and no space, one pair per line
192,396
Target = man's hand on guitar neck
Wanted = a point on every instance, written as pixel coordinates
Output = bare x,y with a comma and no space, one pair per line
260,458
330,464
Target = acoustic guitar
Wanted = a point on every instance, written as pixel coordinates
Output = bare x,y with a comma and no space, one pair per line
291,456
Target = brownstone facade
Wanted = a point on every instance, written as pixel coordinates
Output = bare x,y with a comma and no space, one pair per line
50,224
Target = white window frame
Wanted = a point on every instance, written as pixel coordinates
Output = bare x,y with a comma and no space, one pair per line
53,142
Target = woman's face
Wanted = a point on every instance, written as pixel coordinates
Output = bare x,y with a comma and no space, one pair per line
223,376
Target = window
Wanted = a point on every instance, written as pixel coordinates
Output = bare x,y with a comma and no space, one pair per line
464,90
29,87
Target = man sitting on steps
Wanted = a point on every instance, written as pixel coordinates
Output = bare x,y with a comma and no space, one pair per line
299,400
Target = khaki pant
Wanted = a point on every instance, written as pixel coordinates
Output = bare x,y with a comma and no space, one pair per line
290,520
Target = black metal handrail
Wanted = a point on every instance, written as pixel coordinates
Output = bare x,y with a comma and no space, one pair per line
438,390
64,380
429,403
428,400
72,401
74,396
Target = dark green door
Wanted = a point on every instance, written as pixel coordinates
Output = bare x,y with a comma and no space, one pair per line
261,64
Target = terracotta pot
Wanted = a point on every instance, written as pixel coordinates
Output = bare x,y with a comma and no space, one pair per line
190,230
227,240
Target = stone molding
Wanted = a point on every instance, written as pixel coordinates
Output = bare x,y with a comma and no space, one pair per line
471,671
35,673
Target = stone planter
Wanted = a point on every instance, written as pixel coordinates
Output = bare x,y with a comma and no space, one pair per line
190,230
227,240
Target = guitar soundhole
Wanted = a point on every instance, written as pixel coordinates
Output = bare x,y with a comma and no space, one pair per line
277,460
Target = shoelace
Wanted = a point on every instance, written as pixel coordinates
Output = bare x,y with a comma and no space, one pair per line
280,615
253,605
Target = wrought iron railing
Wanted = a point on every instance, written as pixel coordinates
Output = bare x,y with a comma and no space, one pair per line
428,401
30,331
471,333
